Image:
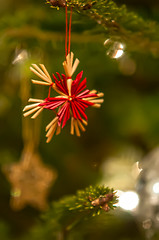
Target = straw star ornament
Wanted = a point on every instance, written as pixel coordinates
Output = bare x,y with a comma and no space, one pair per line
30,180
72,101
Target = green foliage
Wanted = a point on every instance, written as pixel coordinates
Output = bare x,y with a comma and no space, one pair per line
115,22
121,24
64,215
82,201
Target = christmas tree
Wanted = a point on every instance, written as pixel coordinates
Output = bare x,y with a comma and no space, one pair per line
105,178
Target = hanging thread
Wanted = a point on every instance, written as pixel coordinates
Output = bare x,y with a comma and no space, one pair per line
70,23
66,31
68,35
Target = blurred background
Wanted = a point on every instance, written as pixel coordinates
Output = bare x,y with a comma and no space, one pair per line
120,146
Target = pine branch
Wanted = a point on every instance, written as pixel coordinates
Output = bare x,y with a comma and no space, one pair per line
65,214
92,199
112,21
120,24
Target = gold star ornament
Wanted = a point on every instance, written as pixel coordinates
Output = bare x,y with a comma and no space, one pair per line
30,181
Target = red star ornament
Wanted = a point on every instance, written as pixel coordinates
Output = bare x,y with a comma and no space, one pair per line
72,101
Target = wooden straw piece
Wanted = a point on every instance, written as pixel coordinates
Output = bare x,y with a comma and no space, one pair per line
72,55
64,97
35,100
69,70
38,74
58,91
68,60
51,123
40,82
97,101
39,70
89,99
52,129
65,68
96,105
93,98
58,131
31,111
75,65
85,122
80,125
68,64
69,85
93,91
100,94
49,138
37,113
28,107
46,72
77,128
72,126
